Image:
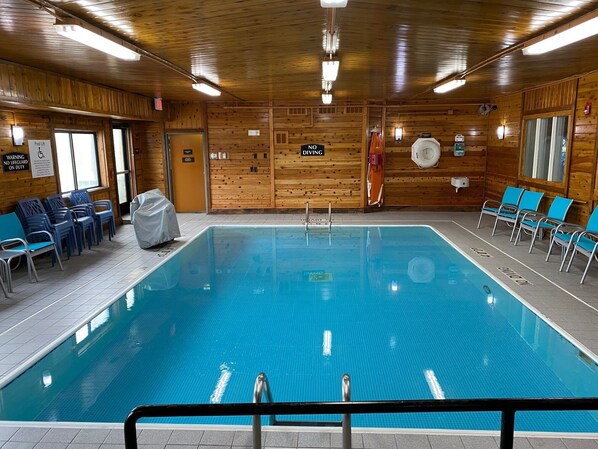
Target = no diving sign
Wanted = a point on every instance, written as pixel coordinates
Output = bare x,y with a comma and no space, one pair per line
312,149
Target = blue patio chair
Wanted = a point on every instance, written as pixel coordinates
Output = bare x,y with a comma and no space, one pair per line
81,215
4,272
510,197
62,227
535,223
530,201
13,241
7,256
577,239
101,212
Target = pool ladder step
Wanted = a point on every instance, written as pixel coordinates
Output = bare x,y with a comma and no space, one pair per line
262,386
318,221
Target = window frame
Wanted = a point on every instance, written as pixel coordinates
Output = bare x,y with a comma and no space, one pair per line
554,185
70,133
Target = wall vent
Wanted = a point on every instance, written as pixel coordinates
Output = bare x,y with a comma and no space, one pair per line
281,137
327,110
297,111
353,109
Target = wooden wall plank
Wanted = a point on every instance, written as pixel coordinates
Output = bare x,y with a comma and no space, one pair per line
407,185
42,90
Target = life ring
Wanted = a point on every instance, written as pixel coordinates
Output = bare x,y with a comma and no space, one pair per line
425,152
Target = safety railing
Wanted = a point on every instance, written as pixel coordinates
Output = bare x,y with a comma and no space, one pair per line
507,408
318,221
262,386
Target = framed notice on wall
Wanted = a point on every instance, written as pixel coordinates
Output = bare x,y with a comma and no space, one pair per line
40,157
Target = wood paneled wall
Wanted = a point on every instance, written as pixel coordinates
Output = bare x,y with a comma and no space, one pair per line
408,185
583,181
334,177
42,90
189,116
18,185
339,175
503,165
556,97
149,156
243,179
502,162
41,126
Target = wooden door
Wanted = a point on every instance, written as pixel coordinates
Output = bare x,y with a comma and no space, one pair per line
187,172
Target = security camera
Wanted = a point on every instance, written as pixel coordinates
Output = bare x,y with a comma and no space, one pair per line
486,108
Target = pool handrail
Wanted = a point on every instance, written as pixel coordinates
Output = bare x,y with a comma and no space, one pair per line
261,386
507,406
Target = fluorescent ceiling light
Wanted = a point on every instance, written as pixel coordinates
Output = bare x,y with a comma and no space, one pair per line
206,89
333,3
563,36
330,69
96,39
449,86
326,97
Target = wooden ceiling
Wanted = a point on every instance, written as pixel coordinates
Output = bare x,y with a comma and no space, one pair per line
271,50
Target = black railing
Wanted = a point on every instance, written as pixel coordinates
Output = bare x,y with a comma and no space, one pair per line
507,408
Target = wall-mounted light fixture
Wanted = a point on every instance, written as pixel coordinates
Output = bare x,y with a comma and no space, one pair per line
206,89
577,30
398,133
500,132
18,135
450,85
330,69
98,39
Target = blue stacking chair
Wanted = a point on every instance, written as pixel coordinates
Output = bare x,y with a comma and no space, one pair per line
81,215
101,210
530,201
536,224
577,239
33,216
510,197
13,240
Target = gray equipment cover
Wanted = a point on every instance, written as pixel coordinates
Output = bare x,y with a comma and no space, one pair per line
154,219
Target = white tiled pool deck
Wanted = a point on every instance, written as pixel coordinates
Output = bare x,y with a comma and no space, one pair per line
39,314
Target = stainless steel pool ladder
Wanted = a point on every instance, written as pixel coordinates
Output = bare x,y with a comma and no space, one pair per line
263,386
318,221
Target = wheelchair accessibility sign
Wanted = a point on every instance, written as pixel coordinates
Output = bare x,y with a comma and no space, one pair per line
40,157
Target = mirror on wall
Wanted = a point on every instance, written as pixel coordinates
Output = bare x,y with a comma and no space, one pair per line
545,147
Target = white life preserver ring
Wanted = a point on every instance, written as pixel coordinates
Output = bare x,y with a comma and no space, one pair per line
425,152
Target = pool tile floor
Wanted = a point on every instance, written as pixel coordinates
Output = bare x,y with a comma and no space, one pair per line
37,315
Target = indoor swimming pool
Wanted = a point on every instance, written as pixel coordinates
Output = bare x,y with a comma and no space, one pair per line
398,308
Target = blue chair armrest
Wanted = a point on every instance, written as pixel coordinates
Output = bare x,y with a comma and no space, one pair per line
533,215
106,204
7,243
40,233
494,202
569,228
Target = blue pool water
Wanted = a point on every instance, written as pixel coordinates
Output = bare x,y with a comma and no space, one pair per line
397,308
